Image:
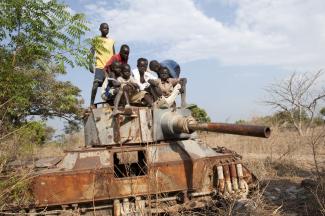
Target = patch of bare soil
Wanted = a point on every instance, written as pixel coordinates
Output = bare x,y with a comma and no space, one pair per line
290,186
291,197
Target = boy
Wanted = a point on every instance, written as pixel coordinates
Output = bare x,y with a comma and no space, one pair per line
154,66
173,67
102,54
111,85
129,88
142,75
166,88
122,57
174,72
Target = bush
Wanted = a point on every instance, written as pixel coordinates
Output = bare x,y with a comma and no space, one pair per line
199,114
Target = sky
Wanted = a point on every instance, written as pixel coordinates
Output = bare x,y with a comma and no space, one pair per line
229,50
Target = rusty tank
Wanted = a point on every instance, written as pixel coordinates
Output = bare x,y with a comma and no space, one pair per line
145,163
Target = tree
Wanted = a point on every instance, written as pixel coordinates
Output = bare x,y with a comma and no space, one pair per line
72,127
33,30
38,40
298,98
199,114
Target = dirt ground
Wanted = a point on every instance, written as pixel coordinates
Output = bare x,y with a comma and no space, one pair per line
287,187
285,167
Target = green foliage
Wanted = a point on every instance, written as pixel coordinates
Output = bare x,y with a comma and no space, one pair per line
35,132
318,120
322,111
240,121
36,92
284,120
199,114
35,29
72,127
38,40
15,190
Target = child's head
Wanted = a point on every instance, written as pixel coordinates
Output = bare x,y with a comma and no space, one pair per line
154,66
142,65
126,71
116,68
164,73
104,29
124,52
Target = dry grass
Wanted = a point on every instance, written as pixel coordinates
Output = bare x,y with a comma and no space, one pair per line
281,163
14,184
282,145
57,148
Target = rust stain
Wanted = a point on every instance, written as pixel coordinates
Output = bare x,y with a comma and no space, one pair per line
89,179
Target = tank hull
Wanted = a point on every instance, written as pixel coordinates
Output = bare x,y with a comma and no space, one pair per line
179,171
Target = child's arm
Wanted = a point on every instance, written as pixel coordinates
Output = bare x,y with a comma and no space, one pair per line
153,82
134,83
174,81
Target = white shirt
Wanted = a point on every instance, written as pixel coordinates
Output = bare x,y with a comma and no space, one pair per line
104,86
147,76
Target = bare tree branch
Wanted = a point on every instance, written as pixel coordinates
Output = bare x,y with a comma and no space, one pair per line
298,96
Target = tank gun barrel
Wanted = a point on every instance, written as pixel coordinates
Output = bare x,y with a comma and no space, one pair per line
173,123
238,129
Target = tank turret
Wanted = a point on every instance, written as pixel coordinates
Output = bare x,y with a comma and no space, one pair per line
148,125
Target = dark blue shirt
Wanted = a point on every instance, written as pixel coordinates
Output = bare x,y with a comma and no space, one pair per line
173,67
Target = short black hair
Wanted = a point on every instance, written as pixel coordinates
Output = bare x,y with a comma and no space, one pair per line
102,25
115,63
142,59
125,66
163,68
125,46
153,63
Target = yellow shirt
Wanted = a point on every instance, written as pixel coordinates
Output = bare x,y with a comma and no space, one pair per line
105,52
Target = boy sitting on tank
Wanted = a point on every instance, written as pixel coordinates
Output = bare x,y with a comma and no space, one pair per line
111,85
130,89
142,75
166,88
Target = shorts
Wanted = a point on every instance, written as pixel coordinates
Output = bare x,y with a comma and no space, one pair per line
137,97
99,76
109,94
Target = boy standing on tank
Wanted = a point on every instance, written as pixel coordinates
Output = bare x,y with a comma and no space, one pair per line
103,50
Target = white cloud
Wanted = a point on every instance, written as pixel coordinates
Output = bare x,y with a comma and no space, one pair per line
286,33
70,10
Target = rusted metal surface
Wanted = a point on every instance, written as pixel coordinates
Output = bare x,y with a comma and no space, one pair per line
89,179
69,187
234,176
104,129
220,179
116,128
151,125
238,129
153,152
47,162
